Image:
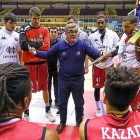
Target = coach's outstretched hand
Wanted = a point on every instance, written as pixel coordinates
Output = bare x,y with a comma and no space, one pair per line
32,50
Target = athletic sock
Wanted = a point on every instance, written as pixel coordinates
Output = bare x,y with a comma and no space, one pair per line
47,108
47,104
98,104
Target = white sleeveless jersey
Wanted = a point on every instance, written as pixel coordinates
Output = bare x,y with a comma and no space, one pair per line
110,42
127,53
9,46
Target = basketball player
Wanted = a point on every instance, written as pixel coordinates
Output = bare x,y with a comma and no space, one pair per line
36,36
127,49
10,50
15,96
104,40
121,86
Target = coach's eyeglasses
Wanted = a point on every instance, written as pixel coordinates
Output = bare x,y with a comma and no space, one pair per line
71,32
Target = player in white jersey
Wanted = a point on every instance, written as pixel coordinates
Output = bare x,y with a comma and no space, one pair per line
105,40
127,49
10,50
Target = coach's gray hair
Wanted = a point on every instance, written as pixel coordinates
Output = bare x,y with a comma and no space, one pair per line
70,26
34,11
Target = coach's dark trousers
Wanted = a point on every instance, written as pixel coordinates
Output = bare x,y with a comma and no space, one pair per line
65,87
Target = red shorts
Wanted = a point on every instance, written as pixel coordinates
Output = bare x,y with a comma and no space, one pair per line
98,77
39,76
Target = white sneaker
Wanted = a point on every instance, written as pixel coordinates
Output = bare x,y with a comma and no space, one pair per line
26,117
50,116
98,112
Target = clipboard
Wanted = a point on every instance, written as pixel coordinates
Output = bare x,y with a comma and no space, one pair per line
99,59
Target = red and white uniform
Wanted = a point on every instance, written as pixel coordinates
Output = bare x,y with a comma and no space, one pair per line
39,39
17,129
110,42
127,53
9,46
113,128
35,37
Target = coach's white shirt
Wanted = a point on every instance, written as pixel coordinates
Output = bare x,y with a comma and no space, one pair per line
110,42
127,53
9,46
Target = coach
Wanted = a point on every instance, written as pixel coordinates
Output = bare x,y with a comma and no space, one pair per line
71,54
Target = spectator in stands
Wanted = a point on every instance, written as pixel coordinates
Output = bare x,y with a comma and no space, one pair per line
71,54
121,86
81,35
103,40
52,66
119,31
127,50
10,50
37,36
15,96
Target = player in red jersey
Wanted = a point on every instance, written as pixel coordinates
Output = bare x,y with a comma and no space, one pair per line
15,96
121,86
36,36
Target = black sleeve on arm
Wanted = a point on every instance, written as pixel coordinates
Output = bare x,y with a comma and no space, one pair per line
43,134
36,45
24,42
115,52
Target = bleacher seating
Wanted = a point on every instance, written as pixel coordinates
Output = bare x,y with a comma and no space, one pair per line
59,6
25,6
95,6
6,10
117,6
77,6
130,6
111,11
21,11
56,12
90,11
75,11
42,5
1,10
9,6
123,12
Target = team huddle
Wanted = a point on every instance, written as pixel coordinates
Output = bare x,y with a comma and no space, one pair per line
31,59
